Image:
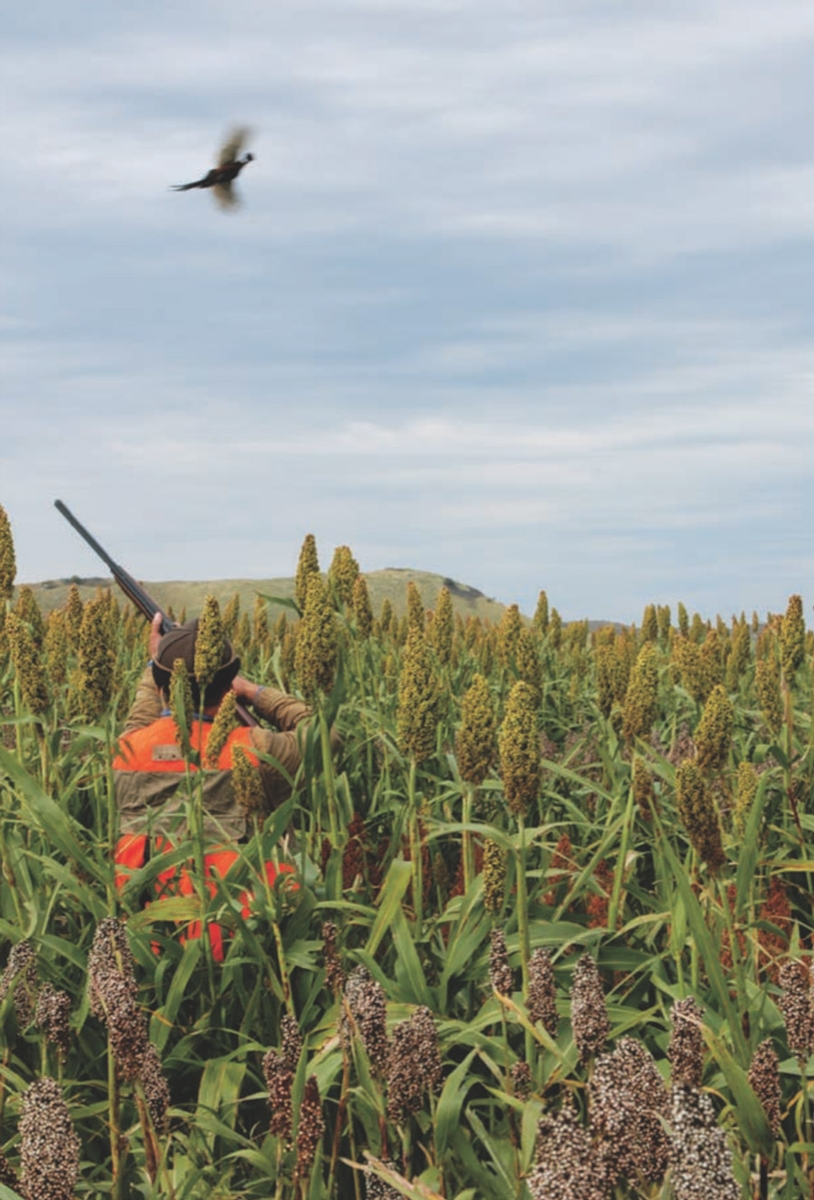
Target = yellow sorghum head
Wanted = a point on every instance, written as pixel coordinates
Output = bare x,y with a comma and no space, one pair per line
792,638
182,705
746,790
56,646
246,783
664,623
739,655
442,627
225,721
74,610
260,624
605,659
683,620
712,661
494,875
243,634
343,573
415,608
698,628
519,745
27,660
28,610
643,791
555,630
687,657
641,699
698,814
208,645
317,646
767,688
231,615
713,736
508,632
95,659
307,565
386,617
527,663
8,562
288,654
541,614
650,624
418,708
362,611
280,627
476,743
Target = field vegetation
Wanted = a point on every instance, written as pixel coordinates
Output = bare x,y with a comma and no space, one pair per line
547,934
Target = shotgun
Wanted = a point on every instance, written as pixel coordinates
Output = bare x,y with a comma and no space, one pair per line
133,590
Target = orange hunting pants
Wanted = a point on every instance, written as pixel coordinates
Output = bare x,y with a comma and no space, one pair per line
131,854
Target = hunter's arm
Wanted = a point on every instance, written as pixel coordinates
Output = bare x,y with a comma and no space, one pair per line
146,706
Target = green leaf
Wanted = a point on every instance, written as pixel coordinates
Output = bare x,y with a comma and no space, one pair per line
395,885
748,1110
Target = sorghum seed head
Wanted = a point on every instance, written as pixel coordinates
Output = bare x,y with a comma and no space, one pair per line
767,687
796,1004
713,737
521,1080
28,664
224,723
476,742
246,783
501,975
307,565
182,705
792,638
541,1002
279,1079
343,573
541,613
519,745
317,645
568,1167
209,645
362,611
311,1127
427,1054
698,814
494,875
52,1015
418,699
764,1079
330,953
700,1160
641,698
292,1041
8,562
686,1051
156,1088
366,1001
589,1014
49,1147
628,1098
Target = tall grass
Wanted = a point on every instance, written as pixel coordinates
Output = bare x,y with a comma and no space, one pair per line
388,849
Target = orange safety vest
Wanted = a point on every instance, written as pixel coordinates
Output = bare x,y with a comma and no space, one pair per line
148,772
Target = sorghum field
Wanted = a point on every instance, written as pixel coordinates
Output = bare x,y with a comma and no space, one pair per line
548,935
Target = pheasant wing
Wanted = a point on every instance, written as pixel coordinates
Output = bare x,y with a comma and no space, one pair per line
225,194
230,150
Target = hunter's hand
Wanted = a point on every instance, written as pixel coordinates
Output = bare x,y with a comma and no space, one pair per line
155,634
244,689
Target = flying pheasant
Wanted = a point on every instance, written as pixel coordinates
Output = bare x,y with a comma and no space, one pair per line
229,167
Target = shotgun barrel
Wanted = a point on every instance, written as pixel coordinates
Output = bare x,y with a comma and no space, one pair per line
132,589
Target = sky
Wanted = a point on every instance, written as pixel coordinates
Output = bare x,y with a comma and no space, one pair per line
520,298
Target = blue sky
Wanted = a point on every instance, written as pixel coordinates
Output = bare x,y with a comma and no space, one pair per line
524,300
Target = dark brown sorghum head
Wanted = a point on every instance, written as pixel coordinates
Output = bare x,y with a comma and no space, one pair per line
501,975
113,988
52,1015
311,1127
379,1189
334,974
567,1166
156,1088
541,1002
292,1041
427,1054
589,1014
20,957
8,1176
49,1148
764,1080
700,1160
366,1001
279,1079
628,1097
521,1080
404,1090
686,1052
796,1006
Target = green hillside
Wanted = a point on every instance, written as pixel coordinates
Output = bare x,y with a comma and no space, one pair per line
389,583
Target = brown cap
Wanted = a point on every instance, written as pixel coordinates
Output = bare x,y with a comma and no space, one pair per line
180,643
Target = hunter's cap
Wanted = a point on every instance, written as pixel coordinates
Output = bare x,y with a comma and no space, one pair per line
180,643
